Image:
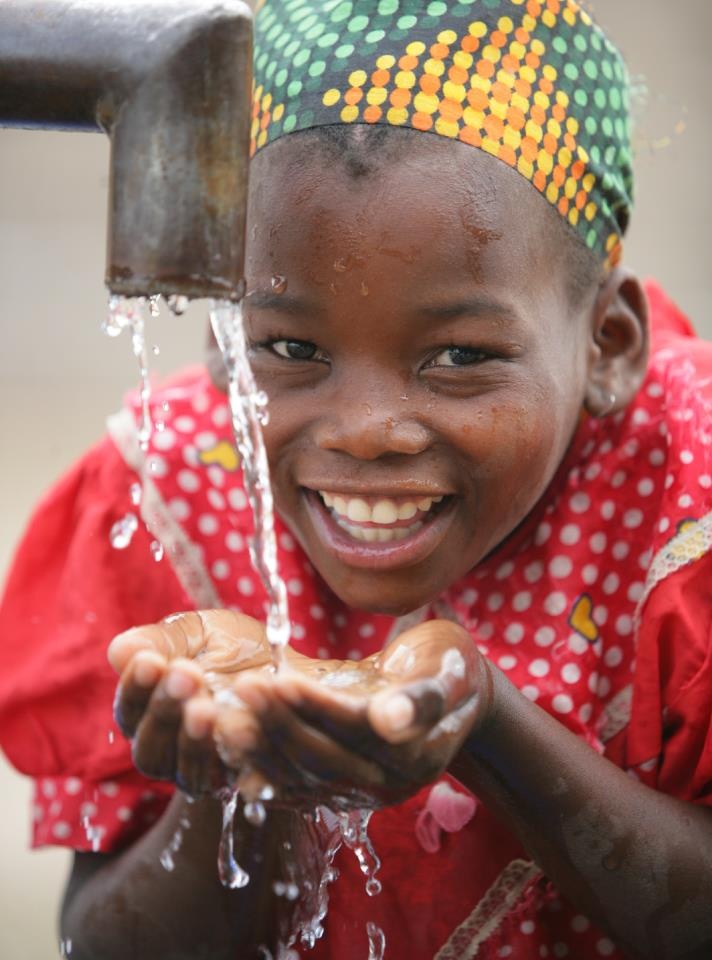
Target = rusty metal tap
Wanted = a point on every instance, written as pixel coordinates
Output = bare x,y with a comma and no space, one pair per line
169,82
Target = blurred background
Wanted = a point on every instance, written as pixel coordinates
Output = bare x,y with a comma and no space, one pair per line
60,376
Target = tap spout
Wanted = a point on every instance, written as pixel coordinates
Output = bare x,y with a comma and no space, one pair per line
169,82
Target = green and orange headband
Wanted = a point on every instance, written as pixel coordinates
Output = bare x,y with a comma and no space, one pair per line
535,83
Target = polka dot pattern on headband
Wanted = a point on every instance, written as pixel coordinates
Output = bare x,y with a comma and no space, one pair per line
534,83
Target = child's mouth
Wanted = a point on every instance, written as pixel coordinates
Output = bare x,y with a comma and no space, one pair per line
378,520
379,530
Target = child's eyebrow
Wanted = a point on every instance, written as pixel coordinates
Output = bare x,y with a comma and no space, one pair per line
478,306
284,302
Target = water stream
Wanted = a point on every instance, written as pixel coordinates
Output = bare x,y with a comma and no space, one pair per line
249,414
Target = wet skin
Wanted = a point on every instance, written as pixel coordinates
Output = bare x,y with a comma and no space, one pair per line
425,345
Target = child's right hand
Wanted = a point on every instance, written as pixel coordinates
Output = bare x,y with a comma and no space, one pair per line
169,673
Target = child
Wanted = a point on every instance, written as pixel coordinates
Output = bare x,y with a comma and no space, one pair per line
495,530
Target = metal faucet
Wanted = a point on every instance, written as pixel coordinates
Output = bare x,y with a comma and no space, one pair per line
169,82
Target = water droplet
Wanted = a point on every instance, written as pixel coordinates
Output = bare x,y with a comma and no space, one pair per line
135,493
157,550
354,830
279,284
159,426
110,736
155,350
267,792
154,305
255,813
165,406
404,396
177,304
122,532
376,941
231,873
122,313
340,265
364,289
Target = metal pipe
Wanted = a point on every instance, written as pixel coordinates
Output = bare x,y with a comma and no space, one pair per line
169,82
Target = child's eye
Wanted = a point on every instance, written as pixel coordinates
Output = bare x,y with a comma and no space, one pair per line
296,349
459,357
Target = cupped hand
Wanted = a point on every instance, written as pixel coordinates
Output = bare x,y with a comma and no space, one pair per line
170,675
358,733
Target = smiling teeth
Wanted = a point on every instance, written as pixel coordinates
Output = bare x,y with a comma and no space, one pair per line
373,535
384,511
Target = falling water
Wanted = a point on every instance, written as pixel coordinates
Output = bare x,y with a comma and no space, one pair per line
166,858
247,407
231,873
376,941
354,830
128,313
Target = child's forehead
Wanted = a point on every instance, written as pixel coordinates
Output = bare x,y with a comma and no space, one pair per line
459,194
439,224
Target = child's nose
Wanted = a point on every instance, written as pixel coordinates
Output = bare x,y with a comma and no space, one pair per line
366,432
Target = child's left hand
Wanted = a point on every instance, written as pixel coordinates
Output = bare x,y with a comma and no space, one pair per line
357,733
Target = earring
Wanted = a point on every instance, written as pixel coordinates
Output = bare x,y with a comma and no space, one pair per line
607,407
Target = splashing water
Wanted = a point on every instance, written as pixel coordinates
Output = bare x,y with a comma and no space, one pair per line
121,534
231,873
166,858
248,415
157,550
354,830
376,941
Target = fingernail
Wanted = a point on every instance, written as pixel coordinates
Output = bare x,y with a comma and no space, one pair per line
399,712
146,672
179,685
197,725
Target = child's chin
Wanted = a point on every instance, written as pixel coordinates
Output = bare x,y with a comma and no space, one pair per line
376,592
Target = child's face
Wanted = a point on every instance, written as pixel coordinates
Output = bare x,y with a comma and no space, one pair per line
413,331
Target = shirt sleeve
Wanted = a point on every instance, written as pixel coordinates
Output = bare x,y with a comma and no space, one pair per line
669,740
68,594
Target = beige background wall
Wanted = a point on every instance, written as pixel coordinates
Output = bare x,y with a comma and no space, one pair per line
60,376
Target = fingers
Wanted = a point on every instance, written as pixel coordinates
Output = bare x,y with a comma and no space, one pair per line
155,743
299,760
434,670
165,711
403,714
170,638
198,767
136,687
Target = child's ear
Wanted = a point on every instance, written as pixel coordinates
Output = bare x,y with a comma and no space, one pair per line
619,343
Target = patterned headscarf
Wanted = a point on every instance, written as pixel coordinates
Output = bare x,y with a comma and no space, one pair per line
533,82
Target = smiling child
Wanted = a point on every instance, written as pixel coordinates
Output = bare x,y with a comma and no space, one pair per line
490,451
